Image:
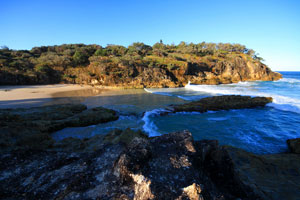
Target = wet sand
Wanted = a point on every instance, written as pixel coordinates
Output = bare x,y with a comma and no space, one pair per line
41,95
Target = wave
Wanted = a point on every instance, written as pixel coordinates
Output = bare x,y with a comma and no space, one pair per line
289,80
149,127
279,102
149,91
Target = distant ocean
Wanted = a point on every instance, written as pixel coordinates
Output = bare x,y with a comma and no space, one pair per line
260,130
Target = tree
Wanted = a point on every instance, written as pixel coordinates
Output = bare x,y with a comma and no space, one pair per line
80,58
139,48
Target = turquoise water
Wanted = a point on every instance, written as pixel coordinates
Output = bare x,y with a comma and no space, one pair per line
261,130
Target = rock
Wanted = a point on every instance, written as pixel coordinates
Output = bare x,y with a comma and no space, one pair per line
225,102
126,136
193,192
171,166
167,164
294,145
247,176
31,127
233,69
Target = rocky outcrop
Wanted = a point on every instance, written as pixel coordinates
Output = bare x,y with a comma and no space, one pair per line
171,166
212,72
224,102
294,145
31,128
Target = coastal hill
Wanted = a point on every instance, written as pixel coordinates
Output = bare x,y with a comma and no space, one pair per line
137,66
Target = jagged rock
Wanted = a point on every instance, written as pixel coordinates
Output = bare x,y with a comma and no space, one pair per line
171,166
225,102
294,145
223,71
31,127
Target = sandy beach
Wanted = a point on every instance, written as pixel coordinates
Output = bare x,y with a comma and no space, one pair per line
39,95
30,95
8,93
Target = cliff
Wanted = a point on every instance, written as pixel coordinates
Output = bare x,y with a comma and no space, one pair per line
137,66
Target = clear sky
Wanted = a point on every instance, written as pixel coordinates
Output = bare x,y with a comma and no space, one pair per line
270,27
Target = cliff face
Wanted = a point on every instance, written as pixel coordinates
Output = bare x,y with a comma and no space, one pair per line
139,76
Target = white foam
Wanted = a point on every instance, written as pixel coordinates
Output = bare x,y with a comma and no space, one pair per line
149,127
289,80
159,91
279,102
147,90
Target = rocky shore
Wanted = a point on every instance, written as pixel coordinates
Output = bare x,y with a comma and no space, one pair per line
127,164
172,166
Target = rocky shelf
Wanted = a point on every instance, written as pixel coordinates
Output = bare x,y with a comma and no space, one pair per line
129,165
30,128
225,102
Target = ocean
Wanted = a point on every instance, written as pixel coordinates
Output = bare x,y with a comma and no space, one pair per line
260,130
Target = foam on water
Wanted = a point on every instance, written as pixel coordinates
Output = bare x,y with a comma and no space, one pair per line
149,126
289,80
246,88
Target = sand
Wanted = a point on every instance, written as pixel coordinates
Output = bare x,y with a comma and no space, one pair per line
39,95
11,93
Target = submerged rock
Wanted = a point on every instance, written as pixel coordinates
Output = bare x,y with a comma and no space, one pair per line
294,145
31,127
172,166
224,102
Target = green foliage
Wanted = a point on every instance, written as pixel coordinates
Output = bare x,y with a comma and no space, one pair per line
139,48
80,58
100,52
115,50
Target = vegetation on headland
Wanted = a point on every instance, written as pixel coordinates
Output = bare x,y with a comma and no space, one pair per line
117,65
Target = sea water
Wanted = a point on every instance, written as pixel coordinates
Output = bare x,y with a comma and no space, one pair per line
260,130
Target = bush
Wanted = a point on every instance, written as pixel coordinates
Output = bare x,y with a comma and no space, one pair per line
80,58
101,52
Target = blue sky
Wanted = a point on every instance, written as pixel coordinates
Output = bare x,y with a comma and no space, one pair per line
270,27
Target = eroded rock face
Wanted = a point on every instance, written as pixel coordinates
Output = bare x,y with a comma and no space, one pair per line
31,127
172,166
225,102
215,72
